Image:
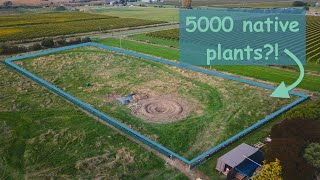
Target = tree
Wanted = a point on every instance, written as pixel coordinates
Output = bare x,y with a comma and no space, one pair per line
35,47
86,39
62,42
61,8
7,3
47,43
270,171
186,4
312,154
290,138
298,4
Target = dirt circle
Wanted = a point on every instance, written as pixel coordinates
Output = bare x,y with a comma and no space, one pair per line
162,109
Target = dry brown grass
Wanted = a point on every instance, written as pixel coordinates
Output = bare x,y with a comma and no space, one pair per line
101,165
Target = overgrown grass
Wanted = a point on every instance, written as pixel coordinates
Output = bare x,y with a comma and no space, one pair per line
42,136
222,103
164,52
154,40
310,82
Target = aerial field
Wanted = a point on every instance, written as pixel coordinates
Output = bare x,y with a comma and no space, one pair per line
188,112
312,38
21,27
150,13
41,135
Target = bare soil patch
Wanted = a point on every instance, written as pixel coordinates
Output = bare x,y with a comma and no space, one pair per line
160,108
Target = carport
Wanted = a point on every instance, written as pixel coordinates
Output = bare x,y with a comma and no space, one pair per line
243,159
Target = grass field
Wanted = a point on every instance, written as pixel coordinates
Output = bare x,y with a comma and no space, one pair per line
41,135
213,106
310,82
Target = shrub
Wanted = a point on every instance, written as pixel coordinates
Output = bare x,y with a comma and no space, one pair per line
298,4
86,39
8,49
312,154
75,41
291,136
60,8
272,170
7,3
62,42
22,49
47,43
35,47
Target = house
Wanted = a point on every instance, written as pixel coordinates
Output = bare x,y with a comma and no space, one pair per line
240,162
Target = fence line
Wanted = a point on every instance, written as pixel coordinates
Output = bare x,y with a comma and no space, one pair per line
134,134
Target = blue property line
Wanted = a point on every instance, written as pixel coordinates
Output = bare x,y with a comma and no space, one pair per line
251,128
75,100
121,126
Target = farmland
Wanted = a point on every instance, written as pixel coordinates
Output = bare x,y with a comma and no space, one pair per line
312,39
64,24
149,13
46,18
275,75
42,136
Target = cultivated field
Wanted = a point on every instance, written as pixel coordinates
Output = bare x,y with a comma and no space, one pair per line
165,49
186,111
150,13
312,41
20,27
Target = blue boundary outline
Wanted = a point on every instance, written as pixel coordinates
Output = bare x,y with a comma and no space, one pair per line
163,150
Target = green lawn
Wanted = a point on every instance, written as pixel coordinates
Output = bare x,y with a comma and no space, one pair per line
41,135
310,82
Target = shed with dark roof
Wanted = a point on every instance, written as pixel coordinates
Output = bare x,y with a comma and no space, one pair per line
236,156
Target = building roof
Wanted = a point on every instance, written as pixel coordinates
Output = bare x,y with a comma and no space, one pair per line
238,154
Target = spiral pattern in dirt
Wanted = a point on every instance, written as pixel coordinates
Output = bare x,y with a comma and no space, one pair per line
163,109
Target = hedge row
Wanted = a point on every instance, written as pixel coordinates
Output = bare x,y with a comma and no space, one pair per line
7,49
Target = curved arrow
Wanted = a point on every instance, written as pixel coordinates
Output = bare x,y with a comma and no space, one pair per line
282,91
